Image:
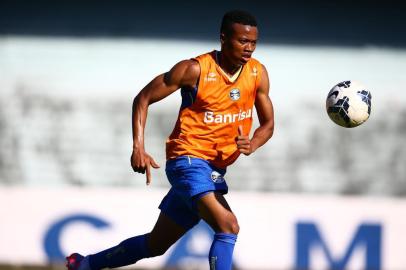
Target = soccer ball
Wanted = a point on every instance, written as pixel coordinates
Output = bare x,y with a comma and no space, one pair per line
348,104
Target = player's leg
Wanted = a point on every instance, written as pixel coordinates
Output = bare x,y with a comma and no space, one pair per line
214,209
165,233
175,220
201,185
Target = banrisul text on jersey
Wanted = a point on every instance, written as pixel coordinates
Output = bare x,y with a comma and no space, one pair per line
211,117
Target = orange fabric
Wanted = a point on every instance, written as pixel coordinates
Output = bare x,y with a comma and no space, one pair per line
207,128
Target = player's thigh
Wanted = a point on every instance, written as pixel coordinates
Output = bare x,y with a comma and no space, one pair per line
214,209
164,234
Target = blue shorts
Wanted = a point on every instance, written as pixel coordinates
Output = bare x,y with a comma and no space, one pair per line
190,179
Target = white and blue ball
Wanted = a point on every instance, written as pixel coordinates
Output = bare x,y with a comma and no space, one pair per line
348,104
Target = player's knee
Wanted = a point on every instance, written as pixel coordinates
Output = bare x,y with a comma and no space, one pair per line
229,225
234,227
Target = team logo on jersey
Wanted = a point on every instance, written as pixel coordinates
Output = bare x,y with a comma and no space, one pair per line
211,77
254,72
235,94
216,177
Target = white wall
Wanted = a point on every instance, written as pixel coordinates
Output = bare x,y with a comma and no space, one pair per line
268,237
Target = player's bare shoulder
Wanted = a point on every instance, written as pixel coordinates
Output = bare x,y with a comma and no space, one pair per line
264,82
185,73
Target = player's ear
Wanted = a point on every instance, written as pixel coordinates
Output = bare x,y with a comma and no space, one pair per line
222,38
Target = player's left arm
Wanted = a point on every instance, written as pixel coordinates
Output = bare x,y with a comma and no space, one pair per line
265,112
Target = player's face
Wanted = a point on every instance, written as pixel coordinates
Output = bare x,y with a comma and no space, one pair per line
239,45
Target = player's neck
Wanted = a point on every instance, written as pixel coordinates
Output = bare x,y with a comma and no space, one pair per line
226,66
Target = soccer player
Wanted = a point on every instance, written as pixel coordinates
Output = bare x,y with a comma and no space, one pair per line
219,90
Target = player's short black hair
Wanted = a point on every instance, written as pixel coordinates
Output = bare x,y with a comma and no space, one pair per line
236,16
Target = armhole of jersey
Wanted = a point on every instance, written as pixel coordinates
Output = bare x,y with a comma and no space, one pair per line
197,87
189,94
259,76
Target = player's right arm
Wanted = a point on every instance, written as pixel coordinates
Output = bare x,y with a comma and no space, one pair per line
184,74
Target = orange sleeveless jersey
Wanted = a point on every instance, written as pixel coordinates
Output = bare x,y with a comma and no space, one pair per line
209,117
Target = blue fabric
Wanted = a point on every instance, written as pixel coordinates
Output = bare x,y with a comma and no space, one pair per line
188,96
178,210
190,178
127,252
221,251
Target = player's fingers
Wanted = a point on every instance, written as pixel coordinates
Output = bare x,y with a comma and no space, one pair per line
243,146
154,164
143,165
140,168
148,169
243,141
240,130
245,151
132,162
137,165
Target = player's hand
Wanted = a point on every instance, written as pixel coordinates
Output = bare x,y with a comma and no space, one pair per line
243,142
141,162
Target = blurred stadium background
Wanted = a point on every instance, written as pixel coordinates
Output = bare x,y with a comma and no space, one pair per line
323,197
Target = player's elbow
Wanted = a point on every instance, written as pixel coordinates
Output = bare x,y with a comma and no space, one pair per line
269,127
141,100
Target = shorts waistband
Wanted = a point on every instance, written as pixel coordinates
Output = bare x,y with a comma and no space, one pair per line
194,160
